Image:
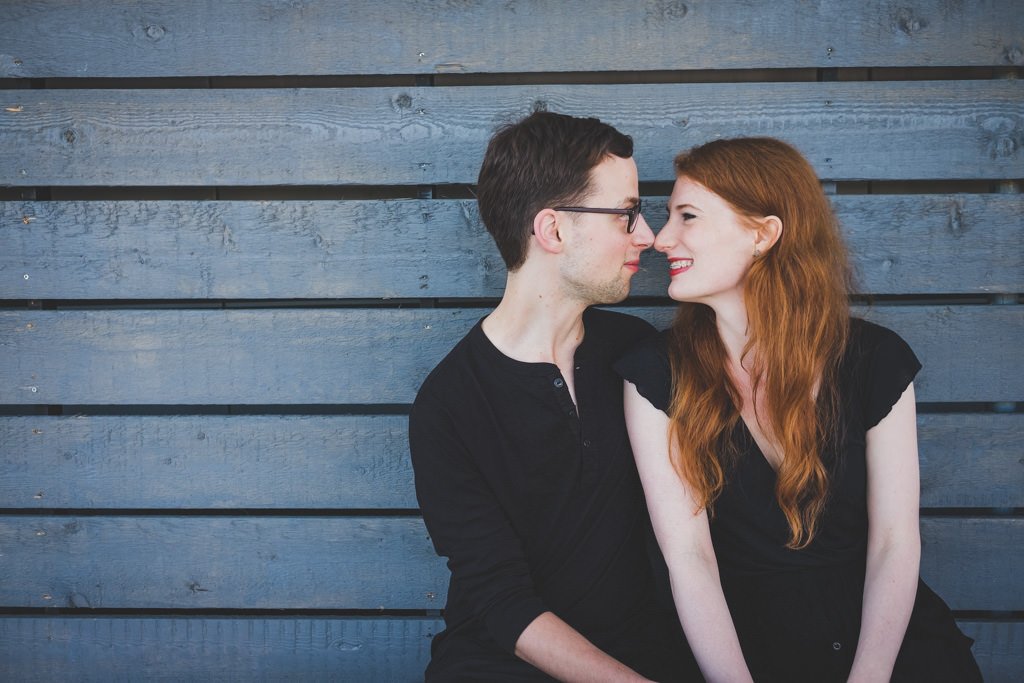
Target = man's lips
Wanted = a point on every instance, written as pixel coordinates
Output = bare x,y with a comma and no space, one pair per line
679,265
633,265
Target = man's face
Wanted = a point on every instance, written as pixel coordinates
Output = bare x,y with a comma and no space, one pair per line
600,257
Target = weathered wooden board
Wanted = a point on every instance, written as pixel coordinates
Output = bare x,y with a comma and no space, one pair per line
234,37
215,562
102,649
971,460
360,356
999,649
241,461
974,563
385,649
220,562
862,130
434,248
359,461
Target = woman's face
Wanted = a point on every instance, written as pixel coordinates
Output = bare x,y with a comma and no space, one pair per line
709,246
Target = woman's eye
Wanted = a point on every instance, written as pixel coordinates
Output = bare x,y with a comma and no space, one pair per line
688,216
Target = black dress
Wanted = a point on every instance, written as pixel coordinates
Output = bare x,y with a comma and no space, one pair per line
797,612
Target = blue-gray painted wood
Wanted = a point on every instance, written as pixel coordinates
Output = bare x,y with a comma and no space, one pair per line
242,562
197,562
234,37
434,248
206,461
848,130
103,649
314,356
973,563
999,649
386,649
359,461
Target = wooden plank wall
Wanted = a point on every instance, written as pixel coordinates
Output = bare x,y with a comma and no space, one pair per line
235,236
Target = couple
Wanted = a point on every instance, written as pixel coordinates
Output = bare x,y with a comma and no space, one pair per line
773,436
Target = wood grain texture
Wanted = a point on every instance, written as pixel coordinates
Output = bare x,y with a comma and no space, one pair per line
206,37
242,461
434,248
365,356
971,460
998,648
220,562
848,130
361,461
385,650
354,562
973,562
80,649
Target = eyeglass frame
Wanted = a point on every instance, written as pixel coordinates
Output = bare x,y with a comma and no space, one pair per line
633,213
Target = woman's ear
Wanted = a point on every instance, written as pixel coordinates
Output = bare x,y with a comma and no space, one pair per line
767,234
546,230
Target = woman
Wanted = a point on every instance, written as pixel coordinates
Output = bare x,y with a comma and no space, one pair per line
776,440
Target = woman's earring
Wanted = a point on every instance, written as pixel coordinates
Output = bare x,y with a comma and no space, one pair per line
757,253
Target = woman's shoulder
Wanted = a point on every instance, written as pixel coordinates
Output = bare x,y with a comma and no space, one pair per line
646,365
880,365
869,341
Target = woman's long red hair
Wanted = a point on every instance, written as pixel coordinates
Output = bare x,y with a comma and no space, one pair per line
796,297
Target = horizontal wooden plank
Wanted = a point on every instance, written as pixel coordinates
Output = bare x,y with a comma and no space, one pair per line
998,648
323,136
53,38
366,356
973,562
971,460
386,649
433,248
220,562
355,562
360,461
211,461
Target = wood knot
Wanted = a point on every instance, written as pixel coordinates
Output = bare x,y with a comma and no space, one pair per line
70,136
155,32
1013,55
908,23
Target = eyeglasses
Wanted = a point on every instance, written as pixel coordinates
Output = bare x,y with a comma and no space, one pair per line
633,212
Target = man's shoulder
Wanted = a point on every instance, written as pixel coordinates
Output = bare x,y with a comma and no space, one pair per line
449,370
619,330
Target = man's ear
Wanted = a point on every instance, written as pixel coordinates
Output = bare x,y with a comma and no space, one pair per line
767,234
546,230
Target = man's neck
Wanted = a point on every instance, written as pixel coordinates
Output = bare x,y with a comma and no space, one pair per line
535,322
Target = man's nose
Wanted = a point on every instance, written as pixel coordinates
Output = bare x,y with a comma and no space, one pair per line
643,236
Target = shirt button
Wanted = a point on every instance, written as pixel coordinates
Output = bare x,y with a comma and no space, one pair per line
559,383
571,412
586,443
837,646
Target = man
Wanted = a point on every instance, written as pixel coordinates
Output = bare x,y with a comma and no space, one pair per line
524,472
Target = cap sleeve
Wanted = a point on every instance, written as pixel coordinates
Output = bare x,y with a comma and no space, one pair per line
891,368
646,366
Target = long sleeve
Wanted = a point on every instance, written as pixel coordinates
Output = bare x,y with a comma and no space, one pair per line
468,526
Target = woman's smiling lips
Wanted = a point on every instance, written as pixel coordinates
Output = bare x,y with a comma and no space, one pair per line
679,265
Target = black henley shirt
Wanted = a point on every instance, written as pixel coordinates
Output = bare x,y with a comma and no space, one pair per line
538,507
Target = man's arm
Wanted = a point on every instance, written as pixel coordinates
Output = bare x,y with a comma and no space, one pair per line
485,555
561,652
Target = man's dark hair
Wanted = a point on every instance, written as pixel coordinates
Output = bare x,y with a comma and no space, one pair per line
542,161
